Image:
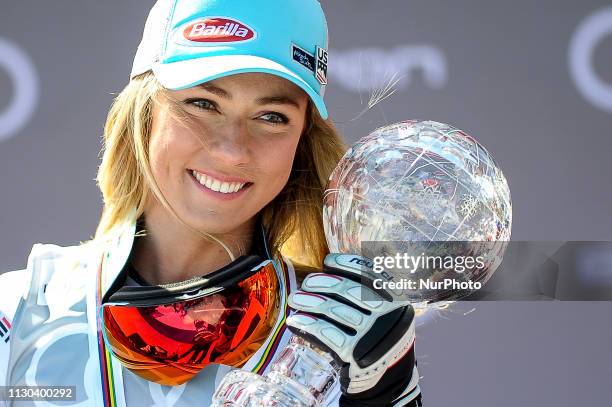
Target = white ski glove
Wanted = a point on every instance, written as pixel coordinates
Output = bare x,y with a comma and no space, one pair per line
370,336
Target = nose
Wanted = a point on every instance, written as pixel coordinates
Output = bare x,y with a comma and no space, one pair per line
230,143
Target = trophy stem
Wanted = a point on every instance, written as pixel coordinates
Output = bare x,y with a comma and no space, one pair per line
302,376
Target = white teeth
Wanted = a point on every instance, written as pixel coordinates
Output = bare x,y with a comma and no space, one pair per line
216,185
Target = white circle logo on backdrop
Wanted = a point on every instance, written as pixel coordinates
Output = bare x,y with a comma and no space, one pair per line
588,35
22,73
366,69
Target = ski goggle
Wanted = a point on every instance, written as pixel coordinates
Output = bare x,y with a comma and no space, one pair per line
168,333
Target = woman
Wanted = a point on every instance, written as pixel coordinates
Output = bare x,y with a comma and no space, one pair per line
216,156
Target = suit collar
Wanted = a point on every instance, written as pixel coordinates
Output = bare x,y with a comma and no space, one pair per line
120,241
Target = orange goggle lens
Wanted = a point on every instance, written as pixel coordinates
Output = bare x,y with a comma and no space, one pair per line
170,343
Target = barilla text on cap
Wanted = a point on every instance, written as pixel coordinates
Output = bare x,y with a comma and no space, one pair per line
216,29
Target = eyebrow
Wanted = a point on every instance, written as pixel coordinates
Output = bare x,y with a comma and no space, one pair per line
266,100
278,100
215,90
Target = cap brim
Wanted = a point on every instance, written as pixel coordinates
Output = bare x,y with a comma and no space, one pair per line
188,73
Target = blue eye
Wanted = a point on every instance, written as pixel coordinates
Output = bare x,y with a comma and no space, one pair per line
203,104
275,118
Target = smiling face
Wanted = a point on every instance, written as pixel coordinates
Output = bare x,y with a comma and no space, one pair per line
221,151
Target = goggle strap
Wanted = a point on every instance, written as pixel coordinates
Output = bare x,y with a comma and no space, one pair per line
220,279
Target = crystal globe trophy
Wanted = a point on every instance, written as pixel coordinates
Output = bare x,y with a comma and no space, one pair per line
427,190
423,188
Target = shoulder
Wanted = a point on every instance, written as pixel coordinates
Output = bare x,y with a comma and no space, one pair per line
65,258
44,260
53,252
12,288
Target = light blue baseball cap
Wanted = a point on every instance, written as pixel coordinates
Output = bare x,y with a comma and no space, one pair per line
188,42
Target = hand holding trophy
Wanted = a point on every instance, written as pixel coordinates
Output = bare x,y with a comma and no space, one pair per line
418,190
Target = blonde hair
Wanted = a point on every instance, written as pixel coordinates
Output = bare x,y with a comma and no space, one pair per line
293,219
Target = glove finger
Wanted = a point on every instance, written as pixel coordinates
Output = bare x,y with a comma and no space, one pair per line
353,266
323,305
322,333
344,289
350,265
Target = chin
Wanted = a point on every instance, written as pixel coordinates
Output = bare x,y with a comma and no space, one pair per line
217,224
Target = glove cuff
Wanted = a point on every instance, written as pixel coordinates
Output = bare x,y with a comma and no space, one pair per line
398,387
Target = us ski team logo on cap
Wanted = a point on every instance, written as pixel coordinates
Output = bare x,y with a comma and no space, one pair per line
321,72
215,30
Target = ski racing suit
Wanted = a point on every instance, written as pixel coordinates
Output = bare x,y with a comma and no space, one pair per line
49,330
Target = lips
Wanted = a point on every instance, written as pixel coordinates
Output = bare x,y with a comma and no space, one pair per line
229,186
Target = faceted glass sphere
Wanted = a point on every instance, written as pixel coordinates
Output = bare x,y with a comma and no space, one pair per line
420,182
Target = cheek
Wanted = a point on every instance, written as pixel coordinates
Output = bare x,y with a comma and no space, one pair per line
171,144
277,160
159,156
169,148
